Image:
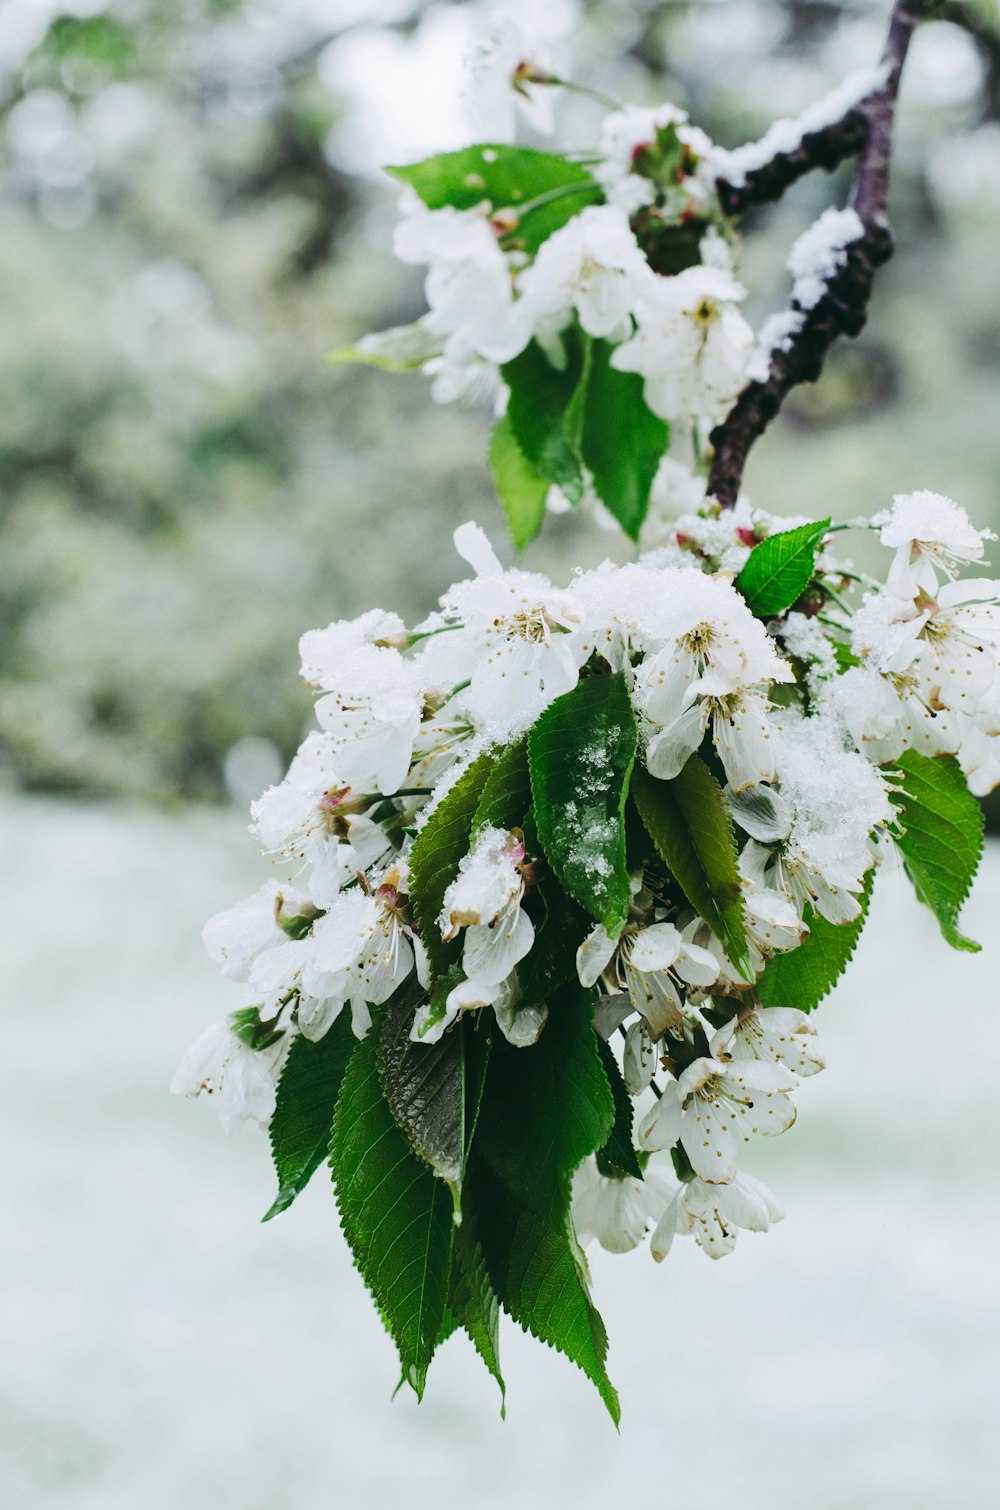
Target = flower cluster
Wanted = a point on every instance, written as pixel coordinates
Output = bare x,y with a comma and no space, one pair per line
799,722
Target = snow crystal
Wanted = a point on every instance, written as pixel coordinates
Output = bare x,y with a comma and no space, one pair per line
776,334
820,252
786,135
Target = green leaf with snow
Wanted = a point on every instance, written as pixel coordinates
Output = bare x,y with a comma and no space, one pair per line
619,1147
544,1110
506,793
581,752
504,178
689,821
622,440
942,837
803,976
434,858
780,568
543,417
396,1216
303,1113
522,491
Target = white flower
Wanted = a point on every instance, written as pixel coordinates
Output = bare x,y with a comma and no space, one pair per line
485,900
772,926
979,751
811,838
513,644
503,68
236,936
362,949
692,345
714,1214
779,1035
713,1107
311,816
242,1079
626,135
592,265
615,1210
653,965
323,651
468,286
372,713
520,1025
716,659
929,533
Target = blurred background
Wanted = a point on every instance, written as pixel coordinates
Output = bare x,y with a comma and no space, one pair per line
191,218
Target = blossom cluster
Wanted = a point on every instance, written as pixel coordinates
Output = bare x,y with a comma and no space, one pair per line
803,716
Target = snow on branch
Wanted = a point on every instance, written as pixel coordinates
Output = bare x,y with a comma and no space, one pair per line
831,130
834,264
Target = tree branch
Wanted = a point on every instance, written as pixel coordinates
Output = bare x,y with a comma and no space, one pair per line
843,305
826,147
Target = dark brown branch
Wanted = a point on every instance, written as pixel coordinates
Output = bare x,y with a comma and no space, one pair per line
826,148
843,306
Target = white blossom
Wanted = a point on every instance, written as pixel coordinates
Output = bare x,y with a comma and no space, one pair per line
691,345
714,1214
310,816
238,935
484,899
626,134
653,965
372,712
712,671
504,67
616,1210
811,838
778,1035
241,1079
469,285
362,949
713,1107
513,643
592,266
929,533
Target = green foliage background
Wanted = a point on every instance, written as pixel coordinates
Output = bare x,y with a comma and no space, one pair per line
186,484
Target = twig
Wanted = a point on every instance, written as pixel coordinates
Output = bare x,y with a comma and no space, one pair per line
843,306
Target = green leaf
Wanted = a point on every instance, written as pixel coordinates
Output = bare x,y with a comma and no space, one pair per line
433,1089
619,1149
803,976
303,1113
688,820
437,849
542,416
942,839
396,1216
560,928
424,1084
544,1110
581,752
521,490
506,792
779,569
472,1298
503,177
623,441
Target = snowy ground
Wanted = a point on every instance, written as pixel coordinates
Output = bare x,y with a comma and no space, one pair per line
162,1349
